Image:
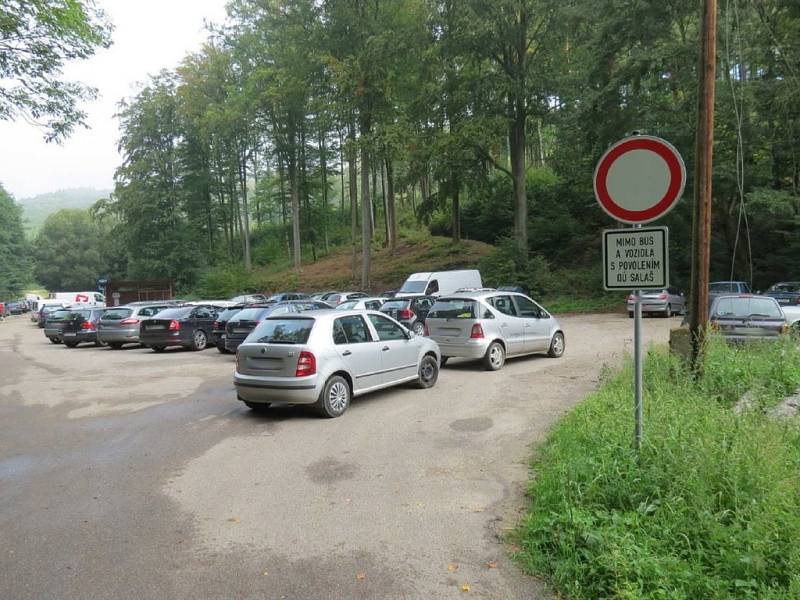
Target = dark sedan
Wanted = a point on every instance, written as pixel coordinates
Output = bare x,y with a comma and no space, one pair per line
54,325
240,325
218,329
410,311
187,326
787,293
81,327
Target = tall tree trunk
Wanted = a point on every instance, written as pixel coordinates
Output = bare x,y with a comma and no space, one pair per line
284,217
295,184
455,185
384,194
373,213
516,143
341,177
352,171
366,208
246,210
390,206
323,163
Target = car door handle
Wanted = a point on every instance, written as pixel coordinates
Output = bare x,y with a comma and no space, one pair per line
346,353
385,348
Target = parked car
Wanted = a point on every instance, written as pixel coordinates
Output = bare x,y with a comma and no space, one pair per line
747,318
120,325
792,314
187,326
322,296
411,312
337,298
362,304
54,325
81,327
491,326
665,301
45,310
441,282
217,337
388,294
241,324
787,293
286,296
249,299
718,288
16,307
324,358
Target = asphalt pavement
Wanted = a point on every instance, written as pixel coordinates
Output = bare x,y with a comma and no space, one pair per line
129,474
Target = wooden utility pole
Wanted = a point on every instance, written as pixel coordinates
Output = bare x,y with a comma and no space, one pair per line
704,149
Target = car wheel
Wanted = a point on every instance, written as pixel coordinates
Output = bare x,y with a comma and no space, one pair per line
495,357
419,328
199,340
428,372
54,340
100,343
443,361
556,345
158,348
222,349
115,345
71,344
257,406
335,397
668,312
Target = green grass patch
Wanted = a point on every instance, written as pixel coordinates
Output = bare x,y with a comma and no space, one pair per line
709,509
570,304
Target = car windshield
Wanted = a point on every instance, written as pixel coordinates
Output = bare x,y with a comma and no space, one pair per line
723,287
347,305
414,287
791,287
174,313
743,307
453,308
394,304
117,314
282,331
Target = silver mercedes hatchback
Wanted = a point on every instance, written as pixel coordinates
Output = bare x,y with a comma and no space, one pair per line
490,325
325,357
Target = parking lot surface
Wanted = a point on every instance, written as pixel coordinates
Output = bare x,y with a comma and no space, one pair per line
131,474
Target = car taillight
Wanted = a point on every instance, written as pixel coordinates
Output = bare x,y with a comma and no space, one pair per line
406,313
306,364
797,300
662,297
477,331
87,326
631,298
174,325
129,322
425,331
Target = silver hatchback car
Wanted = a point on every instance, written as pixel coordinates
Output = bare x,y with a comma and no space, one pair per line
491,325
325,357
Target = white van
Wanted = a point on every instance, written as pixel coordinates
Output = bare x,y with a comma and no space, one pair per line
440,282
84,298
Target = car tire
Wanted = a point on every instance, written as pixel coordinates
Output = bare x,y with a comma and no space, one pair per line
100,344
223,350
199,340
557,345
71,344
418,328
54,340
428,372
257,406
668,311
115,345
335,397
158,348
495,357
443,361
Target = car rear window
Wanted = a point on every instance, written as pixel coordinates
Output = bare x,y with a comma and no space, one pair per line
117,314
282,331
85,314
226,315
743,307
347,305
249,314
175,313
454,308
60,315
394,304
791,287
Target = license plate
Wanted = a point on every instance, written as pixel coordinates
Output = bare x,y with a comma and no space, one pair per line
152,327
70,334
241,330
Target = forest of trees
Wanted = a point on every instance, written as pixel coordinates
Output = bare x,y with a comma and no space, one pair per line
306,124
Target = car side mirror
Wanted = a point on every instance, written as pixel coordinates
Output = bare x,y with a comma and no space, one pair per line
410,334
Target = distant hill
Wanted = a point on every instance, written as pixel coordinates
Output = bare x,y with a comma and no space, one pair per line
37,208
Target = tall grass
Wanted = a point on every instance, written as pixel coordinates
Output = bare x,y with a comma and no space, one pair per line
710,508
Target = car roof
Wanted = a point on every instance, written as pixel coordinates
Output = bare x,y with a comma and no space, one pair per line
480,294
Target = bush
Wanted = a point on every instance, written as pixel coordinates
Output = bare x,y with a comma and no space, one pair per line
708,509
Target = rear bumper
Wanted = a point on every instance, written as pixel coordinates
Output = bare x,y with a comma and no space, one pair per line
472,348
174,338
232,343
649,308
268,390
53,333
119,336
749,339
79,337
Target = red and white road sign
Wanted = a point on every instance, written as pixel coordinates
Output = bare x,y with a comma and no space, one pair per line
639,179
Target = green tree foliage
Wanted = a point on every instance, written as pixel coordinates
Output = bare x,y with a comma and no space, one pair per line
15,265
69,251
37,37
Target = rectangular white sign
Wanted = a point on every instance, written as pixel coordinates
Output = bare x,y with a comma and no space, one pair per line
636,259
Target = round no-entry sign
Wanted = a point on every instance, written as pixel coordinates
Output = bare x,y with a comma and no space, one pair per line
639,179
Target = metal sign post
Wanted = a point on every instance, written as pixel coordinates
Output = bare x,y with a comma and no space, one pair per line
638,180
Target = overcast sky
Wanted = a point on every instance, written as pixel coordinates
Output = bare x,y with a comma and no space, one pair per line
149,35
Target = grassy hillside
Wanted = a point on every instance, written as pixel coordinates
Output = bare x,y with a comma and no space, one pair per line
37,208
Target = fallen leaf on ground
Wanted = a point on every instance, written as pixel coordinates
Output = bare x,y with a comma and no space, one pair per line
234,520
492,564
452,568
265,573
360,576
465,587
